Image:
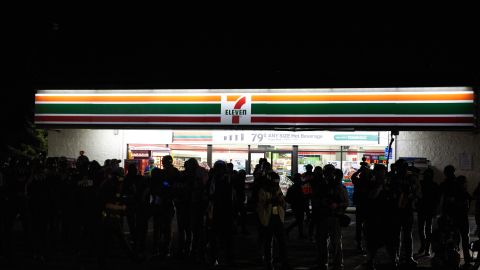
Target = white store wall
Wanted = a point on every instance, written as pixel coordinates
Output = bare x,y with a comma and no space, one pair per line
101,144
444,148
98,144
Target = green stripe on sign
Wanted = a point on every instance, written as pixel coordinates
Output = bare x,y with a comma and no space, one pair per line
128,108
357,137
364,108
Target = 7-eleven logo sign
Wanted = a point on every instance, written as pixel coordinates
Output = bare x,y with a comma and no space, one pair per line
236,109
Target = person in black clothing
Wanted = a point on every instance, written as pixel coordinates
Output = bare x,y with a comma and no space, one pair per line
476,197
220,213
445,245
162,205
129,198
113,209
141,212
181,196
307,178
361,180
197,178
455,204
406,191
379,221
318,186
334,202
460,219
426,210
82,162
296,199
240,209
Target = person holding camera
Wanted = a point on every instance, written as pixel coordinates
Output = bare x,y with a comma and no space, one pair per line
271,214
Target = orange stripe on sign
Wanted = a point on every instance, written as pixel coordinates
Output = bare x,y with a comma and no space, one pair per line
369,97
40,98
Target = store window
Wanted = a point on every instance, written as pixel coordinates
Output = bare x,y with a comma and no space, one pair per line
182,152
352,157
235,154
318,156
279,156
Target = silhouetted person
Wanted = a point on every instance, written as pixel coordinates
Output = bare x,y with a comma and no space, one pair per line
406,189
318,193
82,161
181,192
361,180
444,245
240,209
259,174
113,210
271,214
142,210
220,213
132,182
455,204
333,206
296,199
476,197
379,223
426,208
162,205
197,178
307,178
86,212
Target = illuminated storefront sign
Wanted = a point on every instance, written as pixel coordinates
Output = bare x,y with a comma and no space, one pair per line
415,107
299,138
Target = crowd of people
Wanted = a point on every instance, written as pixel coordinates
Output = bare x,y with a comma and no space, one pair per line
83,207
385,208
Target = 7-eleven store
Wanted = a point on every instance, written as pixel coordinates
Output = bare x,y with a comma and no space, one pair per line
290,127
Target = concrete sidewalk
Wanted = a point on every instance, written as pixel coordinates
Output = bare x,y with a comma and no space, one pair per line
301,253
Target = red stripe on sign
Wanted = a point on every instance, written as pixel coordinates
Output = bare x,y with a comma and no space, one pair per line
93,119
413,120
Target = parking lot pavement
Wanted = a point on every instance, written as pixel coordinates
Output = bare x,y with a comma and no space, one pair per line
301,253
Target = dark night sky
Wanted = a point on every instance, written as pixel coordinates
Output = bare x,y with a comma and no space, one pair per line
239,52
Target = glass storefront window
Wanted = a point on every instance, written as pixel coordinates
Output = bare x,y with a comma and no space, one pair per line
235,154
352,156
255,158
281,162
318,156
182,152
